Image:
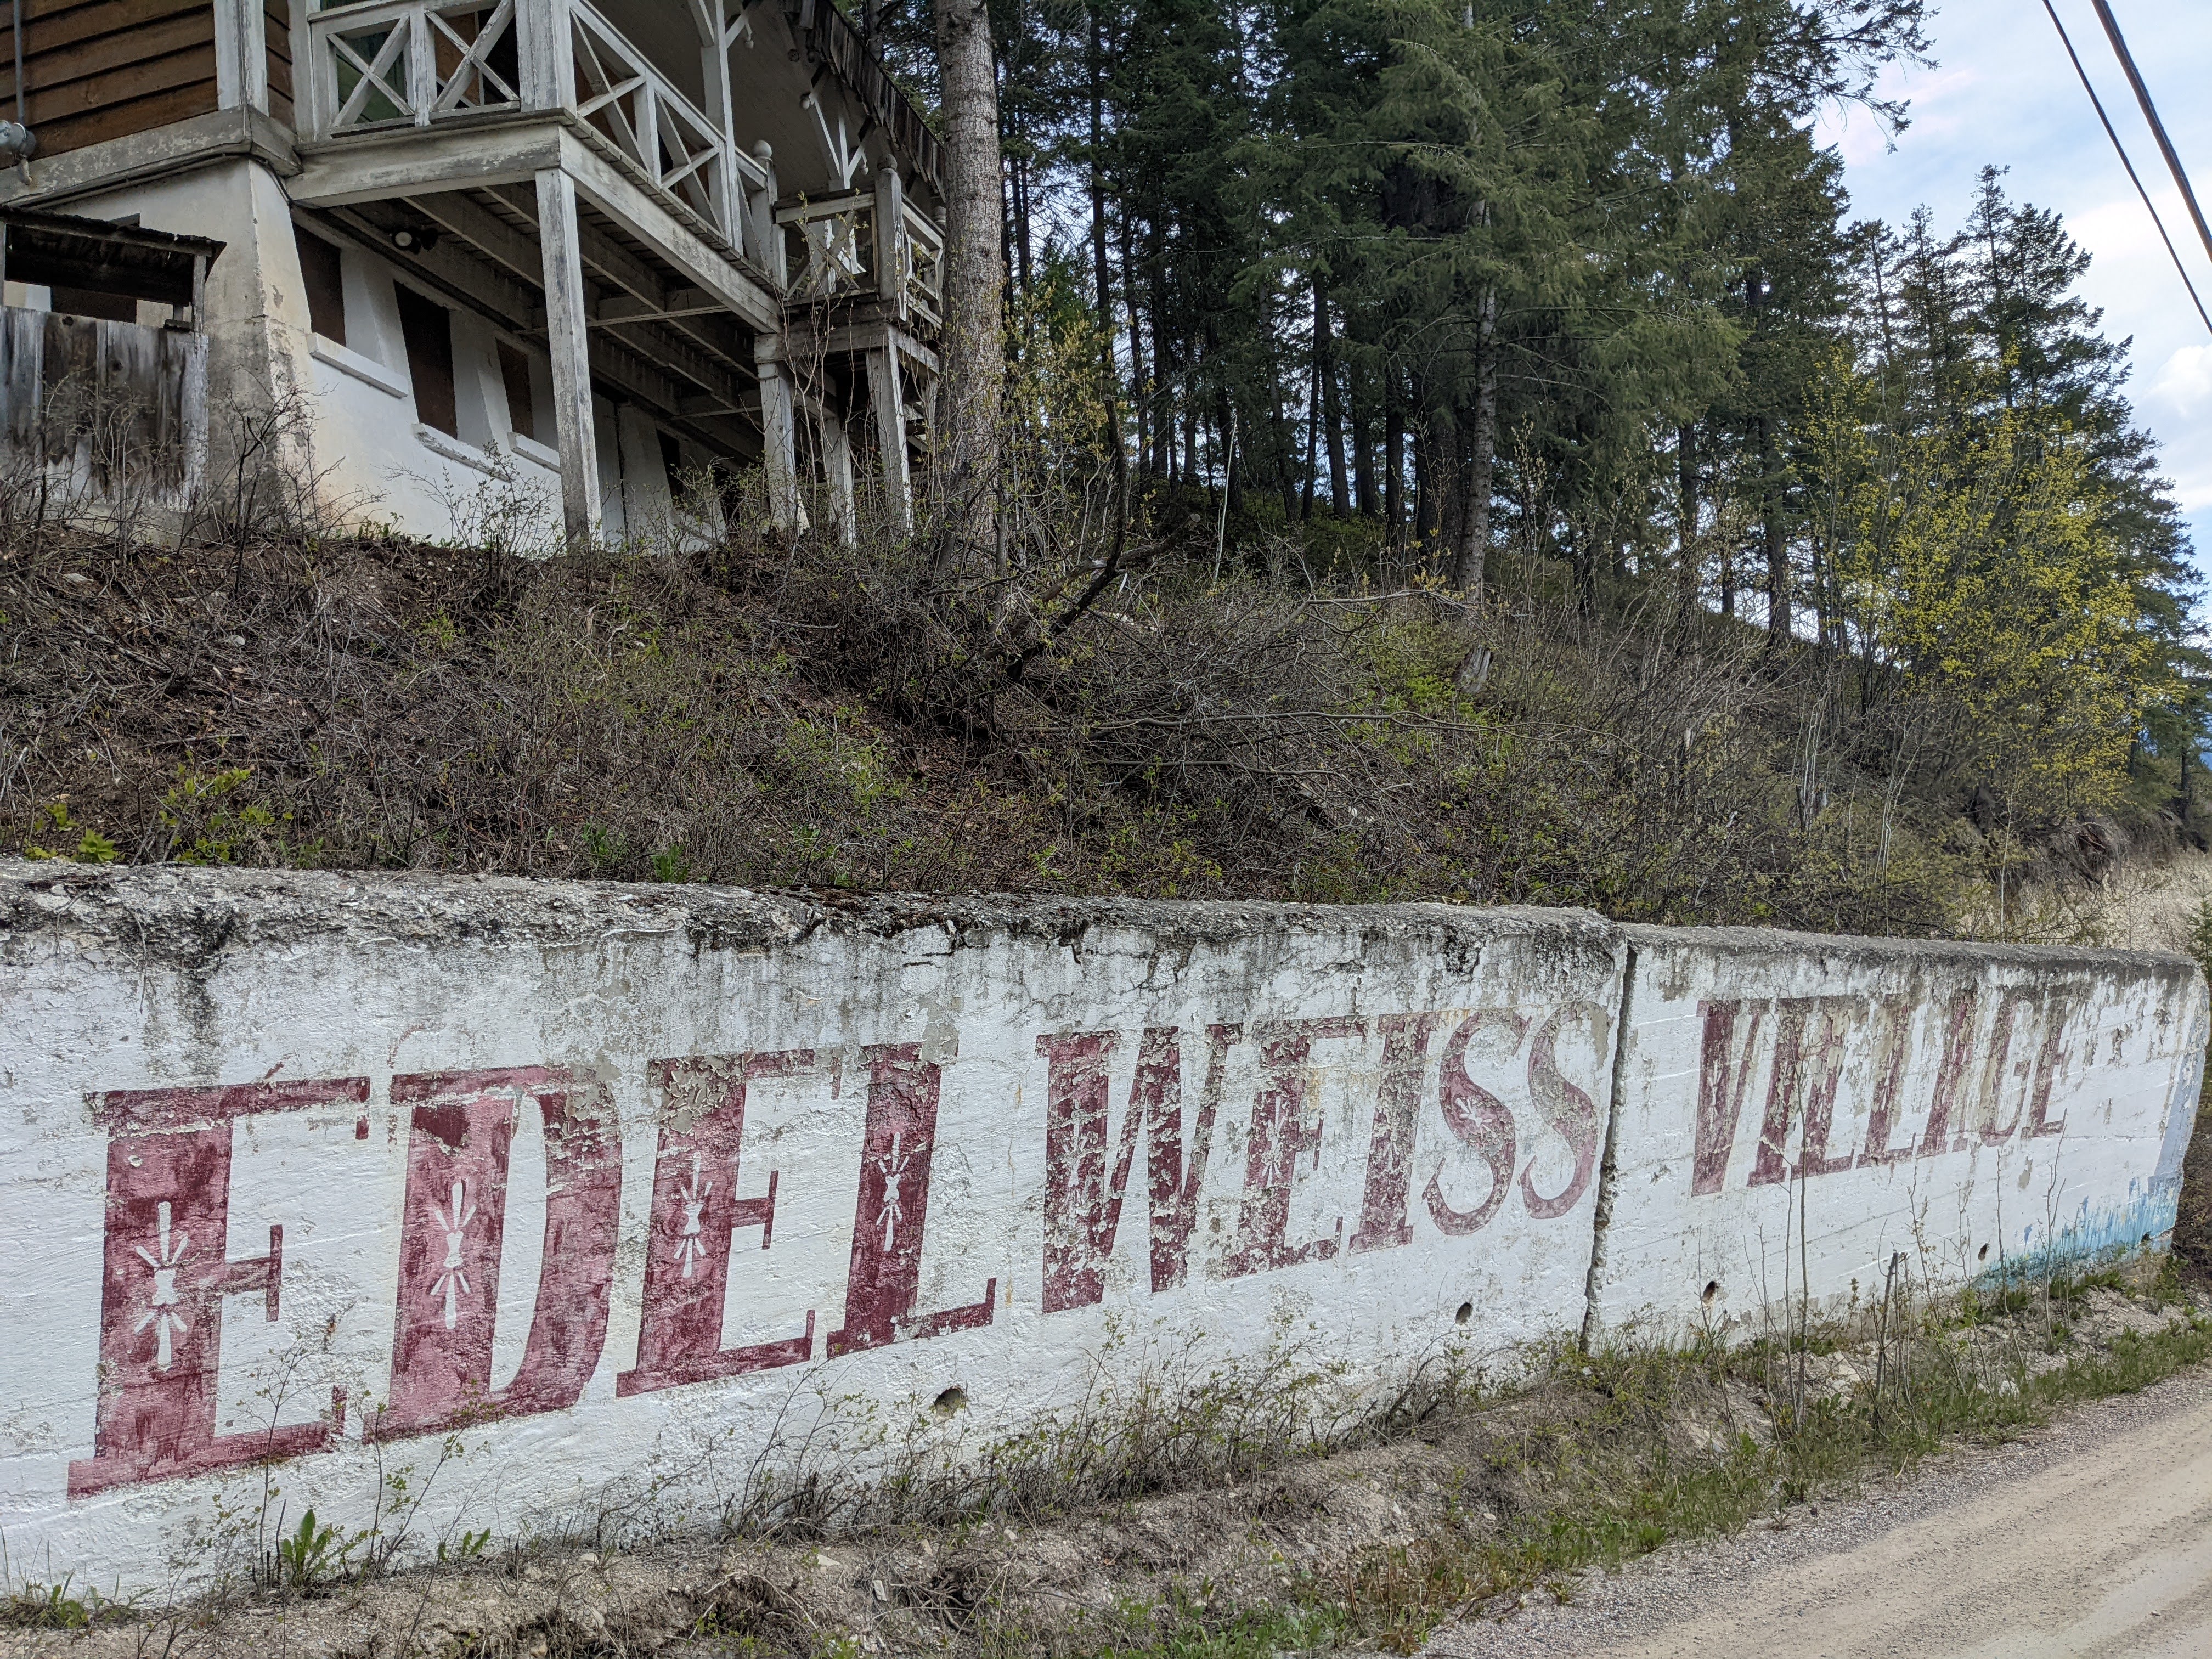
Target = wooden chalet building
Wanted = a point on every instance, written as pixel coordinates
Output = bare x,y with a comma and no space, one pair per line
594,246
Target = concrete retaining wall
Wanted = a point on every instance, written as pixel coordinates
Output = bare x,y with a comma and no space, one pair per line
568,1202
1800,1116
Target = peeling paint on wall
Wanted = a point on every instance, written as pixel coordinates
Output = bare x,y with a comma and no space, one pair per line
1800,1117
621,1190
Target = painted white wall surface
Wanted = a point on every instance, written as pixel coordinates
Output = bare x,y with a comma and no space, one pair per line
1795,1113
624,1192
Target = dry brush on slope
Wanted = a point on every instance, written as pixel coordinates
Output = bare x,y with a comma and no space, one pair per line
805,716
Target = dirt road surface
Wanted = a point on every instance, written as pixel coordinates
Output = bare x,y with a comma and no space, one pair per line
2093,1539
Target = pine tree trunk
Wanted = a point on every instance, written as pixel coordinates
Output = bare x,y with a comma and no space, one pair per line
1163,399
1137,401
1688,578
1363,444
973,354
1772,528
1469,569
1332,411
1094,61
1313,408
1394,462
1446,467
1428,486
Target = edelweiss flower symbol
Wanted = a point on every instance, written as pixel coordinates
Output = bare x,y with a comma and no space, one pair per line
689,1250
893,1163
160,1311
453,1279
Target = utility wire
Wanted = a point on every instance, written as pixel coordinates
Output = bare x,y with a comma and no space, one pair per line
2120,150
2150,114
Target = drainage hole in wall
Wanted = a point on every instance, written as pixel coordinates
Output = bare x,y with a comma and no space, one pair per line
1712,1289
952,1400
1981,1254
1466,1312
2146,1238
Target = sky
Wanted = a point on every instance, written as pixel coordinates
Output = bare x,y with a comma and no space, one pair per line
2003,93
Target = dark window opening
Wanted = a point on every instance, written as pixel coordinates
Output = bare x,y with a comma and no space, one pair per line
428,329
318,264
521,406
672,458
93,302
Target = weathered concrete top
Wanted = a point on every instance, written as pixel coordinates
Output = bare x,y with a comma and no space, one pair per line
1780,943
180,914
177,915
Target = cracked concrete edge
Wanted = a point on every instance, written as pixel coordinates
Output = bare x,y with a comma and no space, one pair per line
185,914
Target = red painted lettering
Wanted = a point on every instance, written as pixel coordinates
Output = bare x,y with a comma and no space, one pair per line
1285,1128
2049,1062
893,1209
1950,1070
1175,1176
1083,1197
1803,1089
461,1131
1894,1048
695,1214
166,1268
1478,1119
1724,1074
1566,1107
1997,1068
1382,1220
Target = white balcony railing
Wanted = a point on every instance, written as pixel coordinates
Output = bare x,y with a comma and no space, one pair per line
833,252
922,262
396,63
830,244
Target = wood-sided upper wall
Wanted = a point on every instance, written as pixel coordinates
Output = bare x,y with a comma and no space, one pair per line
98,70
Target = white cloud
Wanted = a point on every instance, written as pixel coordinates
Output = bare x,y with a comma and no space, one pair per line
2185,381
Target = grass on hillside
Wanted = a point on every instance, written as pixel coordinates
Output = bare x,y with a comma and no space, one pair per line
805,717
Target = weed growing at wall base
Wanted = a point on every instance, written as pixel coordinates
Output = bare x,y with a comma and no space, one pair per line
1370,1535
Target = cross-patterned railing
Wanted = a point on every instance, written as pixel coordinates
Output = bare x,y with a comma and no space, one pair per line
830,244
833,251
628,101
394,64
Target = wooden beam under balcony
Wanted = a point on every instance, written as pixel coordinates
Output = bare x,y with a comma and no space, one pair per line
509,150
675,302
407,162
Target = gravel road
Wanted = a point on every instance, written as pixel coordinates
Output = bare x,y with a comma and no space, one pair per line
2093,1538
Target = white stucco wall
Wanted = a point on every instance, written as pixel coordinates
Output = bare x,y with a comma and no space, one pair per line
362,440
1402,1112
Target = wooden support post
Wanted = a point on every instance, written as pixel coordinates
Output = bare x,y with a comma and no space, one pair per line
778,441
763,236
241,55
890,241
715,62
566,328
546,53
890,429
837,462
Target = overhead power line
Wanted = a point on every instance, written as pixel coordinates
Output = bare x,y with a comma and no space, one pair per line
2121,150
2150,114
